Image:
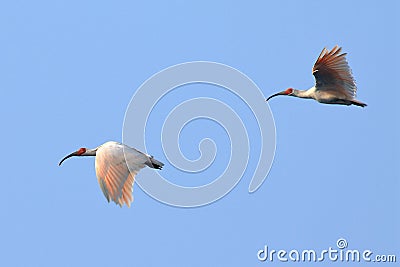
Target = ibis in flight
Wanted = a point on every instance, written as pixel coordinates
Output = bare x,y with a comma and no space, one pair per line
334,82
112,171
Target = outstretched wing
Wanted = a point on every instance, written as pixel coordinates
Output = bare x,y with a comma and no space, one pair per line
115,178
332,73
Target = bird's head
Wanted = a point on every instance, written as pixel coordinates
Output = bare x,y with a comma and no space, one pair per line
288,91
80,152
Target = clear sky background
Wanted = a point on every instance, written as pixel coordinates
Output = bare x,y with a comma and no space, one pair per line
69,69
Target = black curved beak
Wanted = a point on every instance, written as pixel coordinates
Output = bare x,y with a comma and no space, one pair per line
66,157
280,93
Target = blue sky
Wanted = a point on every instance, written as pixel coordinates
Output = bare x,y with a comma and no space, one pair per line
69,69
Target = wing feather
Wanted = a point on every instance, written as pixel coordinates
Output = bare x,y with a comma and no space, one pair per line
115,178
332,73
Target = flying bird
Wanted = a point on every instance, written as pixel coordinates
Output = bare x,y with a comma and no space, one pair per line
334,82
112,171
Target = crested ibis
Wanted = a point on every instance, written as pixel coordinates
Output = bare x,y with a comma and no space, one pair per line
334,82
113,174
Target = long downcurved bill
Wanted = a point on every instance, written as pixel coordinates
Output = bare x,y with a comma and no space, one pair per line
66,157
280,93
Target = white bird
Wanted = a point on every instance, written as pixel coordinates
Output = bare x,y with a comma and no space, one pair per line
115,178
334,82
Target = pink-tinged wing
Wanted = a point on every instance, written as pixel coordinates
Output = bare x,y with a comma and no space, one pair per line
332,73
115,178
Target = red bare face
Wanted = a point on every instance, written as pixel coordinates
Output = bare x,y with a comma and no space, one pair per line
81,151
289,91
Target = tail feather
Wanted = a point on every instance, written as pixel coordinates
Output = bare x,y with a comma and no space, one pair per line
358,103
155,164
